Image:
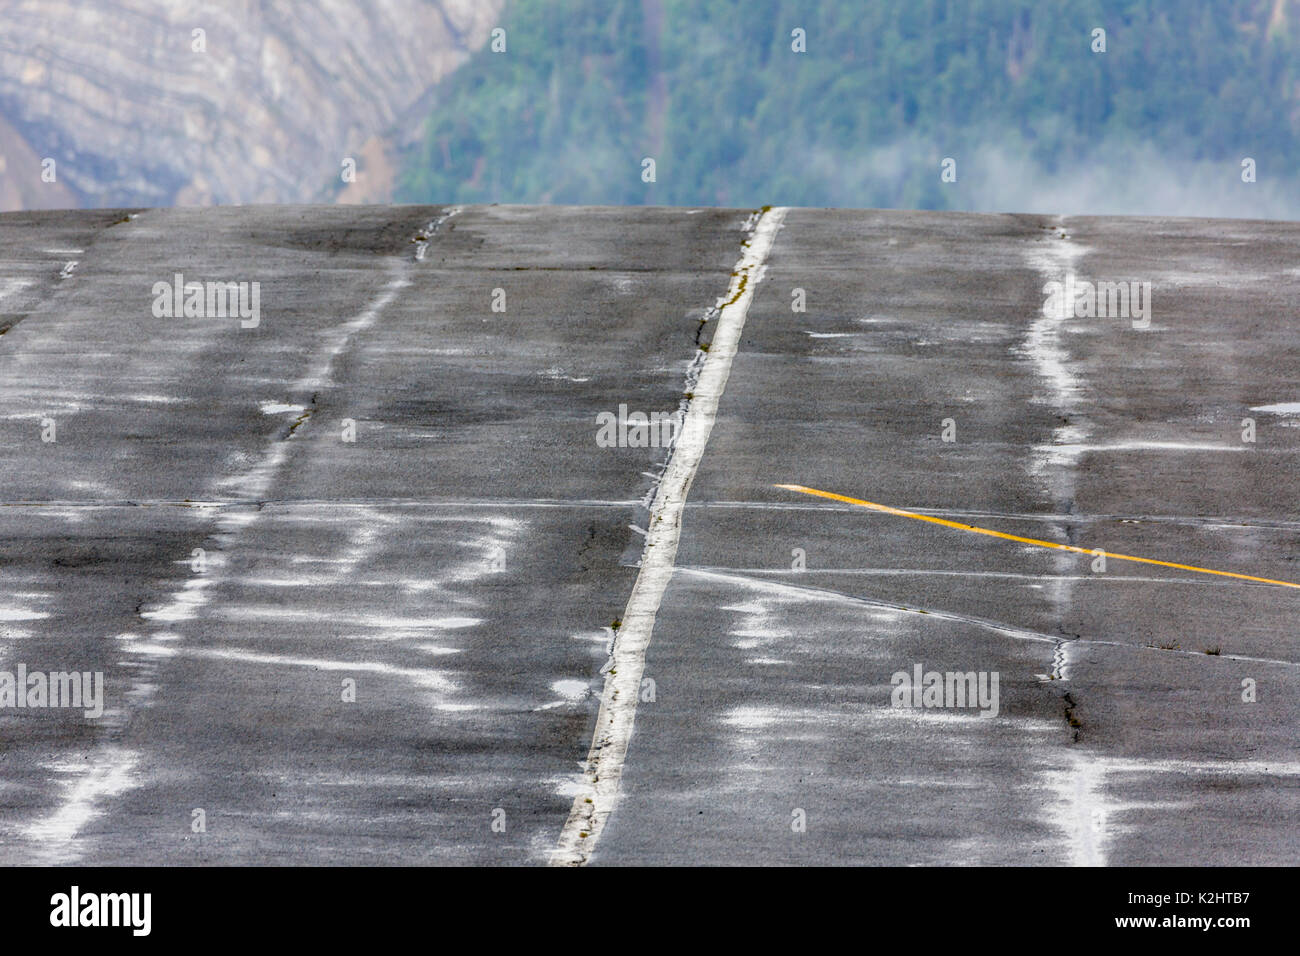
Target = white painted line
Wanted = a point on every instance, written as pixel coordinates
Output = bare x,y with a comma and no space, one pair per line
598,797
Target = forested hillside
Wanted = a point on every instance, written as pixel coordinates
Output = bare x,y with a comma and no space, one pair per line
1011,90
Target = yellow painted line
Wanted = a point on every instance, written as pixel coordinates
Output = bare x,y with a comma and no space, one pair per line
1015,537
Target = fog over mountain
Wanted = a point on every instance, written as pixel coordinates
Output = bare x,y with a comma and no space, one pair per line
1106,107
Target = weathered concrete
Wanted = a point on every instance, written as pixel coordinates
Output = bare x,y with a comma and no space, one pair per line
460,560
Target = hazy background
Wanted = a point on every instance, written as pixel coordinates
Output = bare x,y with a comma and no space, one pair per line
412,91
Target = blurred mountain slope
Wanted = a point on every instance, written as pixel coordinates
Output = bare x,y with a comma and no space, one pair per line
281,94
1012,90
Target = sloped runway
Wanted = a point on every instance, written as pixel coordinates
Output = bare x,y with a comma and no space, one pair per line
351,573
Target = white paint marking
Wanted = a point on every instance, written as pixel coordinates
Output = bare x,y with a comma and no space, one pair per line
21,614
421,676
89,784
281,408
1052,363
110,769
598,798
10,287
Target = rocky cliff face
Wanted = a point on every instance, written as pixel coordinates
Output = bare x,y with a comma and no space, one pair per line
187,102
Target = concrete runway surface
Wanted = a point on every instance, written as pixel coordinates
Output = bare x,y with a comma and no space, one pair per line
350,567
